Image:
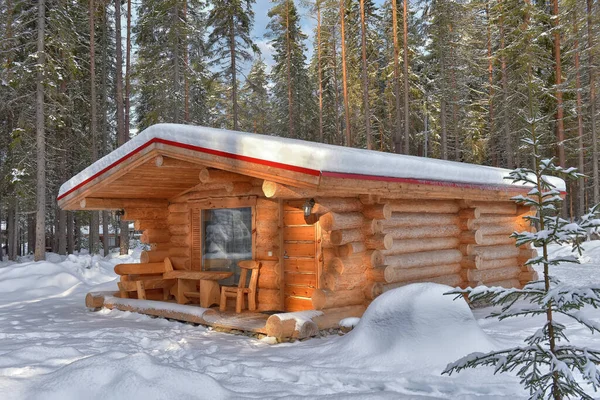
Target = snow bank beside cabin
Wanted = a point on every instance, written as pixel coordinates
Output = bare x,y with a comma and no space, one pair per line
317,157
416,325
57,276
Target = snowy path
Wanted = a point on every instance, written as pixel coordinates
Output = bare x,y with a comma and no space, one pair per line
51,347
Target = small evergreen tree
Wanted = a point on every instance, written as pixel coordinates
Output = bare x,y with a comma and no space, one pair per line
545,364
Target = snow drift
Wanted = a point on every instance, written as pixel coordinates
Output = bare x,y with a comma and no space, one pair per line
418,325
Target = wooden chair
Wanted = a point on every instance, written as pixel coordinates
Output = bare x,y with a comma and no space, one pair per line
241,289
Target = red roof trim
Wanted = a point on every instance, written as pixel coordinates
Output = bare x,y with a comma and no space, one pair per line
302,170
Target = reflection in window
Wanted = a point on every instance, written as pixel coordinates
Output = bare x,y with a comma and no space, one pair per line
227,239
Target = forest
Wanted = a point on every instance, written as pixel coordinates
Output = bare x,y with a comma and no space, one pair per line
461,80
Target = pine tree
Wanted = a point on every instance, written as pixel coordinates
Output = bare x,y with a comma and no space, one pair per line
230,41
254,100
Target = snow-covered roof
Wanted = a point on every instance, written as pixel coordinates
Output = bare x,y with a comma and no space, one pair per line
303,156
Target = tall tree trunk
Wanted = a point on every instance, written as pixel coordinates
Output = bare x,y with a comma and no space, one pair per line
560,127
186,83
128,70
338,123
581,166
1,232
491,135
454,87
104,125
405,78
70,233
508,148
93,237
11,227
176,69
291,129
345,73
232,53
31,233
122,134
40,228
592,99
62,214
443,125
398,137
319,70
365,76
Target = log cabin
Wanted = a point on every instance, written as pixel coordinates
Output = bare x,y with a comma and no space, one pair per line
331,227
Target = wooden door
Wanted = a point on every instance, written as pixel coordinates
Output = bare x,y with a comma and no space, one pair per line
301,254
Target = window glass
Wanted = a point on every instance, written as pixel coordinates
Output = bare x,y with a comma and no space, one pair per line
227,234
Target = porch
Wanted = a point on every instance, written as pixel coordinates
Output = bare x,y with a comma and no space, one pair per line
300,324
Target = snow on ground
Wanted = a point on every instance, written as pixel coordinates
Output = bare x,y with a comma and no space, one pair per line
52,347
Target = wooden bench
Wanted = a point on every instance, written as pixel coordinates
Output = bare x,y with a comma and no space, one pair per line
144,276
206,281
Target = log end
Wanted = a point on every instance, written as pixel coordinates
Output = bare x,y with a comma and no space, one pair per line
94,300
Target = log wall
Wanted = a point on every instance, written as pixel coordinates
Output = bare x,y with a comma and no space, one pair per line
378,244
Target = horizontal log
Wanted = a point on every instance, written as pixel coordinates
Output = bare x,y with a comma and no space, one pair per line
179,229
267,214
354,264
452,280
494,207
423,206
422,232
267,240
323,299
415,219
377,211
328,254
324,205
492,240
469,213
267,203
395,274
349,249
210,175
506,229
343,236
470,237
373,258
419,245
181,218
179,207
267,227
335,282
160,246
155,236
145,213
424,259
268,279
144,224
95,300
490,252
170,162
148,256
181,263
280,191
376,274
239,189
335,221
96,203
476,262
140,269
332,316
379,242
505,283
371,227
495,274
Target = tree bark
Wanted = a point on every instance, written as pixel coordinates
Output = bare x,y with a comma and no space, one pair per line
490,84
186,84
592,100
93,236
128,70
70,233
405,77
365,76
11,228
122,134
40,228
581,164
504,79
289,71
232,53
398,137
560,127
319,69
348,141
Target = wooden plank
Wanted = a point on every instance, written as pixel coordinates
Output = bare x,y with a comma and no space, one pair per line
297,304
296,279
299,233
299,249
294,218
224,202
299,265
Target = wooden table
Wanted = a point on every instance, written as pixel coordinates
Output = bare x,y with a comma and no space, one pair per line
185,288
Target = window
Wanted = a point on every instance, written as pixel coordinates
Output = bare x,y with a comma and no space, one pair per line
227,239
